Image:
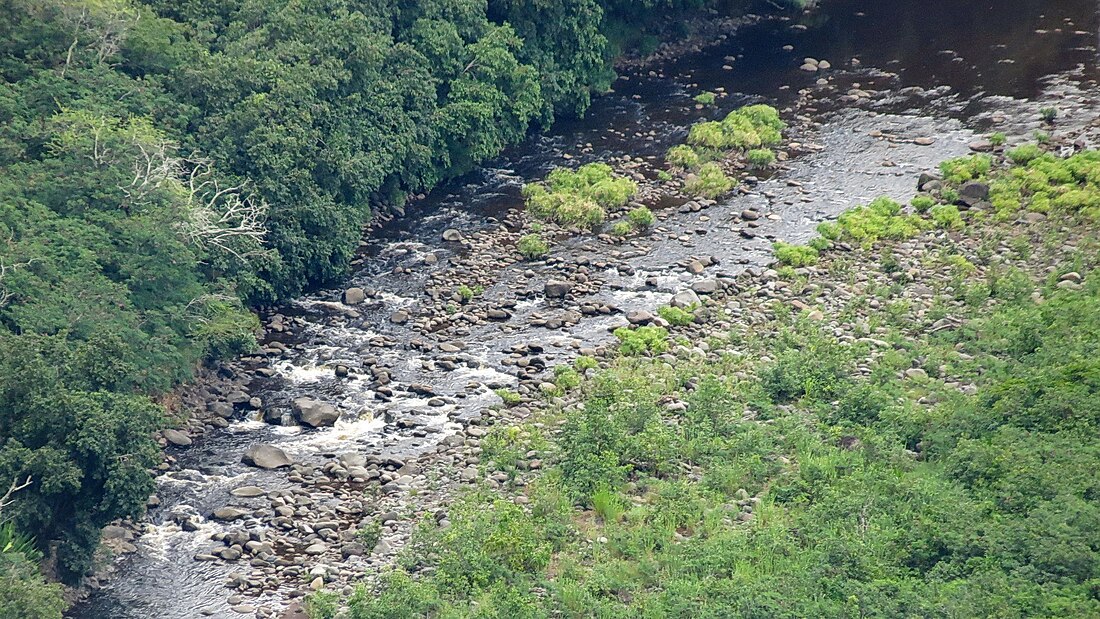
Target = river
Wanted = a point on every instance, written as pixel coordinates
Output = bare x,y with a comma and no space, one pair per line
938,69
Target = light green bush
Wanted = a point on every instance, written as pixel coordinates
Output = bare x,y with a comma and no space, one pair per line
709,182
532,247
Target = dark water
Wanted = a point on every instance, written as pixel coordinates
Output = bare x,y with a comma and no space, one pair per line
975,48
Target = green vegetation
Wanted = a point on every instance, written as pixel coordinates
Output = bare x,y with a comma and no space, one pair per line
881,219
642,340
946,216
800,473
510,398
165,166
1048,114
676,316
997,139
760,158
710,181
706,98
578,198
641,218
966,168
684,156
922,203
751,127
532,247
795,255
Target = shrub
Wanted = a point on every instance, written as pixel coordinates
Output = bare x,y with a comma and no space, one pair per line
880,219
511,398
532,247
760,157
641,217
584,363
922,203
709,182
1048,113
964,169
795,255
684,156
566,378
747,128
578,198
224,327
642,340
467,293
676,316
997,139
622,228
1022,155
706,98
947,216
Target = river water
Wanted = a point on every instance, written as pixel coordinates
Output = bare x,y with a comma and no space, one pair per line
968,57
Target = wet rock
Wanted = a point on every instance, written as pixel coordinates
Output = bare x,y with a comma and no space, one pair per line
229,513
707,286
451,235
315,413
557,289
924,141
247,491
399,317
266,456
177,438
354,296
639,317
221,409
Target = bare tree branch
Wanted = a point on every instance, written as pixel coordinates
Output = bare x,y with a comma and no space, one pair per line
16,486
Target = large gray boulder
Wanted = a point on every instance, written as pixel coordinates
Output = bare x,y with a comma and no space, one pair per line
315,413
557,289
266,456
354,296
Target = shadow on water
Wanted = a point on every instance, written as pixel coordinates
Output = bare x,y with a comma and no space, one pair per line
983,47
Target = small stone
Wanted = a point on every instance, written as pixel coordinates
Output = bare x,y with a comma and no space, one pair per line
451,235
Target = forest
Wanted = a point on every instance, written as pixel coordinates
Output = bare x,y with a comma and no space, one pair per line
165,167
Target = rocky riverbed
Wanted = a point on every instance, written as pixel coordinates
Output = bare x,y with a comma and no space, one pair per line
308,464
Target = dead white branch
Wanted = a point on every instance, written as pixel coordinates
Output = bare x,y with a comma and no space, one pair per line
222,217
16,486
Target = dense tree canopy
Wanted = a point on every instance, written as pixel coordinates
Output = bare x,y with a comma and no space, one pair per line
163,165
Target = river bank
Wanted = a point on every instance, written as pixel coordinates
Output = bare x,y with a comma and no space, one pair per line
426,365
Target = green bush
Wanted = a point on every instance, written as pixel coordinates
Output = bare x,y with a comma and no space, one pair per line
966,168
684,156
706,98
642,340
795,255
947,216
709,182
532,247
922,203
641,218
584,363
1022,155
760,157
676,316
881,219
622,228
578,198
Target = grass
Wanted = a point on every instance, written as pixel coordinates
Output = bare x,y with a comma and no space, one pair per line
760,158
675,316
705,98
802,473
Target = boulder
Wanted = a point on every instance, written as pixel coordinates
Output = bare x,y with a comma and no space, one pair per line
973,192
706,286
639,317
177,438
354,296
230,513
315,413
452,235
557,289
266,456
685,299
